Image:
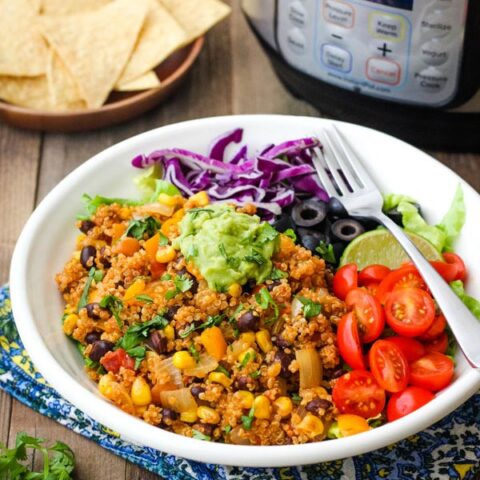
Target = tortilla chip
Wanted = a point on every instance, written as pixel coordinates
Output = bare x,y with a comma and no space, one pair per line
160,36
63,91
196,17
145,82
31,92
23,51
67,7
96,46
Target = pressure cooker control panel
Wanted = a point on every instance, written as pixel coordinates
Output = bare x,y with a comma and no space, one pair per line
404,50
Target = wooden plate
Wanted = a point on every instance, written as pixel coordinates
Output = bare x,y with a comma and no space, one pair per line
120,106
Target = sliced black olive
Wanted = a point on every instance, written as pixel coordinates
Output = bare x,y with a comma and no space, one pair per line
283,222
309,213
346,229
336,209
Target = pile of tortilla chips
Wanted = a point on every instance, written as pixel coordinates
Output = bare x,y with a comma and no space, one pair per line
67,55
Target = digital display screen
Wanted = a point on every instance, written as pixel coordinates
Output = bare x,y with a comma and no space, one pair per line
404,4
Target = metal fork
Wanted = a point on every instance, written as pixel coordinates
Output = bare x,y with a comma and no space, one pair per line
343,176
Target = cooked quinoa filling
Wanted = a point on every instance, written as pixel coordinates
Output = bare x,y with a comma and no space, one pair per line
237,362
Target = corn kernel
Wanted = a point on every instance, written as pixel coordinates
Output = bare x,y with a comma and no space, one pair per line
165,254
263,340
200,199
320,391
140,392
310,425
221,378
80,238
189,417
245,397
274,369
169,332
183,360
262,407
208,415
235,290
70,323
124,213
76,255
140,410
247,337
136,288
105,385
283,406
168,200
247,356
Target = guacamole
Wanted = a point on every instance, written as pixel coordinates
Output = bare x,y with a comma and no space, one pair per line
226,246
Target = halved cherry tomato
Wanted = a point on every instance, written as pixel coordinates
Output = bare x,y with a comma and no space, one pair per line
454,259
409,311
439,344
372,288
412,349
372,273
368,312
389,366
437,328
407,401
113,360
433,371
448,271
349,342
344,280
404,277
358,393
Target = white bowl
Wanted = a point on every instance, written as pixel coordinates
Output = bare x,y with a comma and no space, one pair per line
48,238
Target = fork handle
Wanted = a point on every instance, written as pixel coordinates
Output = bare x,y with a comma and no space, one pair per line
465,326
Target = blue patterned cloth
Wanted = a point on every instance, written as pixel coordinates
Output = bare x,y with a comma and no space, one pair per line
450,449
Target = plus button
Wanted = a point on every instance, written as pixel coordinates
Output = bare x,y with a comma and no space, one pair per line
384,49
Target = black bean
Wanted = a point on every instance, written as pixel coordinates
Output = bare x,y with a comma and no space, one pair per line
318,403
87,256
93,310
157,342
92,337
280,342
170,313
245,383
169,415
273,284
86,226
285,359
335,208
99,349
248,321
249,286
196,390
333,373
194,288
182,271
104,260
207,429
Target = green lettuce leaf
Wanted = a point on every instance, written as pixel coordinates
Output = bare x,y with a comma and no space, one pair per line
151,185
453,221
471,303
393,200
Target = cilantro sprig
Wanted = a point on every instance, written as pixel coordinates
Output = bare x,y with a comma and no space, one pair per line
325,250
115,305
92,275
200,436
247,420
211,321
142,227
58,460
182,284
265,300
310,308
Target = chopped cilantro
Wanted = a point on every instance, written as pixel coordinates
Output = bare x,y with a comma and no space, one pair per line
289,232
200,436
267,234
210,322
163,240
84,297
310,308
255,257
326,252
233,262
142,227
165,277
196,211
194,352
144,298
265,300
115,305
98,276
255,374
248,420
182,285
185,333
247,357
223,370
278,274
296,398
227,429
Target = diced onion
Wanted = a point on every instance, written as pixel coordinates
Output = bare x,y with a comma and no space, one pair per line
163,371
297,307
180,400
206,364
310,367
155,209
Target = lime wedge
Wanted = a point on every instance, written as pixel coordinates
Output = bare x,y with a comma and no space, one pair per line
380,247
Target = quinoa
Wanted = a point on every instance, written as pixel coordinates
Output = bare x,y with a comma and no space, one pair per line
258,362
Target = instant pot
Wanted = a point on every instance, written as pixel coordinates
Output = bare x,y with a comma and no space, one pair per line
407,67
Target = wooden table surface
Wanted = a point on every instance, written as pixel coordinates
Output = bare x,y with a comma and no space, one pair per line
232,76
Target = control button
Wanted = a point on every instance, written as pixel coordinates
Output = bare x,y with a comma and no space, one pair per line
388,27
297,41
298,14
438,24
434,52
381,48
339,13
443,3
336,58
383,71
431,80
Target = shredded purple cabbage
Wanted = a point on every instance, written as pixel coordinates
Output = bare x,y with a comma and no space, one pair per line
271,179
